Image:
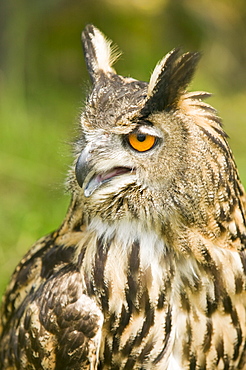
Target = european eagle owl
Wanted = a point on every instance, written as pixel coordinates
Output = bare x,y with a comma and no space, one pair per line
147,270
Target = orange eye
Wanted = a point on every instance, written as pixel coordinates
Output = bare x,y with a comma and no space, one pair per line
141,142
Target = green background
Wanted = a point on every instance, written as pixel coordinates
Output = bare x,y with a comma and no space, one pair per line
43,82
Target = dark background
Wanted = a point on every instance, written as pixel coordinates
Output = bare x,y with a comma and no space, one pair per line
43,82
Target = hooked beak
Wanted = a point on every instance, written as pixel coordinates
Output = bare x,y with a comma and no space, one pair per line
84,167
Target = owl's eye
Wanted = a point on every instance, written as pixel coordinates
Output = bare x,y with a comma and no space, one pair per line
141,142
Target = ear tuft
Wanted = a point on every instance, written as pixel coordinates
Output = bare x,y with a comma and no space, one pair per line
169,80
99,55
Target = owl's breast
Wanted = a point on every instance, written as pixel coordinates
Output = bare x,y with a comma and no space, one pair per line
161,311
130,276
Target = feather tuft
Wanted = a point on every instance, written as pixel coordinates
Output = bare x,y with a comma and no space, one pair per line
169,81
99,53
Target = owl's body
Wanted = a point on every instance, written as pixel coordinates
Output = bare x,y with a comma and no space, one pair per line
148,270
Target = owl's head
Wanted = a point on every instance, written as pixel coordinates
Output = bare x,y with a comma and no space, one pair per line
149,150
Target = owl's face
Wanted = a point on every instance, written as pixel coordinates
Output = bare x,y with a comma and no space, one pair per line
142,147
124,154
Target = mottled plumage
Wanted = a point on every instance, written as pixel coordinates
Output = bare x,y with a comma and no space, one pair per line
148,269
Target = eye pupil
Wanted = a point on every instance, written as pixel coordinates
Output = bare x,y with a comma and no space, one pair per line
141,137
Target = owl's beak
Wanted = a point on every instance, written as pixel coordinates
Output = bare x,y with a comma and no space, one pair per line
84,167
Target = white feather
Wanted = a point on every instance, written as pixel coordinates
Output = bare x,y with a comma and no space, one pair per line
106,55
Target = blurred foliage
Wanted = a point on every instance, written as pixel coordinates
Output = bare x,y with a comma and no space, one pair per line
43,82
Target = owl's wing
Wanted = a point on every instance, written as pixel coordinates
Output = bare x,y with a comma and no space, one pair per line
48,321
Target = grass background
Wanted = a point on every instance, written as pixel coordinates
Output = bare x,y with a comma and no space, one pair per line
43,82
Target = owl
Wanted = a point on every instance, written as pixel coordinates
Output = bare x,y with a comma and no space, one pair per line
147,270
